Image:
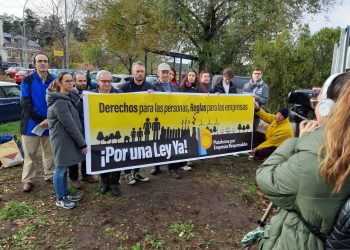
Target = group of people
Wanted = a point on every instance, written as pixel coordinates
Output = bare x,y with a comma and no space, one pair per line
55,105
306,177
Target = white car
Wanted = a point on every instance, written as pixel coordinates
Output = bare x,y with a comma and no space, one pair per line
120,79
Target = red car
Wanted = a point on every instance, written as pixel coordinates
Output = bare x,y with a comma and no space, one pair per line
22,74
12,71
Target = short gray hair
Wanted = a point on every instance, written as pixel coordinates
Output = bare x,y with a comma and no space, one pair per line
103,72
137,63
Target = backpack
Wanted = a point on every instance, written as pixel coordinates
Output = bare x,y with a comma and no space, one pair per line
339,237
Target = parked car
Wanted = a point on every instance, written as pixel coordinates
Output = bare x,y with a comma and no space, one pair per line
5,65
10,106
12,71
20,75
93,75
239,81
55,72
120,79
151,78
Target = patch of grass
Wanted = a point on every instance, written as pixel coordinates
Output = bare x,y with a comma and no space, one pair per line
143,229
182,229
250,192
20,239
109,231
137,246
209,243
28,217
16,210
93,190
154,243
65,243
214,172
10,128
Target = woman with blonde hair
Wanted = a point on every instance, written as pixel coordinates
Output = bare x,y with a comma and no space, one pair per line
307,178
66,135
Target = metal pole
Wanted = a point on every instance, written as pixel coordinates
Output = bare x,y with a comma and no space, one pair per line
67,34
180,75
24,44
146,63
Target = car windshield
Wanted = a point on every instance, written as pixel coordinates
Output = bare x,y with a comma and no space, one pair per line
116,79
10,91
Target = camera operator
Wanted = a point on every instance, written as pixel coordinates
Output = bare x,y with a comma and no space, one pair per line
277,132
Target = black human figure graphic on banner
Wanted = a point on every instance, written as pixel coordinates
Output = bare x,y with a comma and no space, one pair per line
162,133
139,134
133,134
147,128
155,128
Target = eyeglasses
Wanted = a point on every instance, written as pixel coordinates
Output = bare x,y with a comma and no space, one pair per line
42,61
106,81
313,102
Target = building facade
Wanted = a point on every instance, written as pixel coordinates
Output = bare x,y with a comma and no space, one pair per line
11,47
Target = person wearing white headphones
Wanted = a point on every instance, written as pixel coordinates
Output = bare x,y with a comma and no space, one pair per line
307,177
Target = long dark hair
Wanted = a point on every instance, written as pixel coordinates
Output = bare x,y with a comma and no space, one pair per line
185,80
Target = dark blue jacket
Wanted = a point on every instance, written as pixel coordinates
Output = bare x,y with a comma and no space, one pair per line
127,87
113,90
33,102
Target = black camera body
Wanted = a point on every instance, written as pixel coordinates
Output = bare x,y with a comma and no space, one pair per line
301,109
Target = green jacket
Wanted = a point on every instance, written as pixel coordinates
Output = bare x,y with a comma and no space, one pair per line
290,178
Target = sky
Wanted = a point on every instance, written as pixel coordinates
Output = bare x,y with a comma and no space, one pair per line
338,15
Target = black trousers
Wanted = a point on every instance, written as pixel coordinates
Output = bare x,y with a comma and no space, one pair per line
110,179
73,171
256,122
174,166
135,170
258,138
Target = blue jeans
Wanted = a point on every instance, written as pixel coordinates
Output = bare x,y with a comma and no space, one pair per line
60,182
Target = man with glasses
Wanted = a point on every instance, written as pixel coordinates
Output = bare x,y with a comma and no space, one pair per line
277,132
109,181
259,89
34,124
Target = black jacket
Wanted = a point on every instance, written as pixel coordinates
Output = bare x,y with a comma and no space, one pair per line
339,237
113,90
219,87
127,87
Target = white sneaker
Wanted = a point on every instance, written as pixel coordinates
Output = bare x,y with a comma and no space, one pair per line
65,203
190,163
186,168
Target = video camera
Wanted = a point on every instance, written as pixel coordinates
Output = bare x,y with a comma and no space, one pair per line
301,109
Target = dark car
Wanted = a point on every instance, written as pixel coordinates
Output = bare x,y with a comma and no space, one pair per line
10,106
5,65
239,81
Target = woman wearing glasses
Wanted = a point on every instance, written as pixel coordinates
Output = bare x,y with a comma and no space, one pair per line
66,135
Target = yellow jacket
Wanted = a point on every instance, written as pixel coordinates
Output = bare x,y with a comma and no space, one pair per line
277,132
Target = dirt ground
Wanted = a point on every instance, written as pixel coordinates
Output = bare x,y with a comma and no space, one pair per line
211,207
